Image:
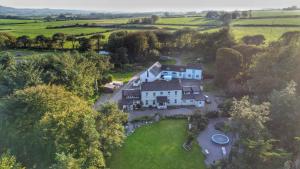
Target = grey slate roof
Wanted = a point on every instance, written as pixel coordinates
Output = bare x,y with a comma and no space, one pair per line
198,97
131,92
162,85
155,69
181,68
175,68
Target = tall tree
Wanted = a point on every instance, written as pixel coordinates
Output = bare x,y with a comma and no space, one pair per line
98,37
7,161
249,119
110,123
45,120
59,38
228,64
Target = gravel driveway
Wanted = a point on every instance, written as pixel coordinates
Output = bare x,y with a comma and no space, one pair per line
204,140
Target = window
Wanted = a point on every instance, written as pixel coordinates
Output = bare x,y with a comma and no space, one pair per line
146,94
189,75
175,92
175,101
153,102
161,93
197,76
169,92
153,93
146,102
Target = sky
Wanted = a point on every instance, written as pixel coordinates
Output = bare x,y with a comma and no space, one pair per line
151,5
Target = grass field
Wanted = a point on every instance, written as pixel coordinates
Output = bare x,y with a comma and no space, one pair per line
268,13
270,33
158,146
269,21
16,21
188,21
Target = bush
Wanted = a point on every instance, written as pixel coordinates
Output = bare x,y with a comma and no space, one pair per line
143,118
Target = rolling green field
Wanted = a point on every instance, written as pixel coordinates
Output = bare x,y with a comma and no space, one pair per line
269,21
16,21
268,13
270,33
33,28
158,146
188,21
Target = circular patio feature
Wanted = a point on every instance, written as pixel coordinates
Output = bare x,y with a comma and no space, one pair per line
220,139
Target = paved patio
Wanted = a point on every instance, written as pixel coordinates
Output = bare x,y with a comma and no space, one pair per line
215,151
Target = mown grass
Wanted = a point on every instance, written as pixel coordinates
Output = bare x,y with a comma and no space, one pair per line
158,146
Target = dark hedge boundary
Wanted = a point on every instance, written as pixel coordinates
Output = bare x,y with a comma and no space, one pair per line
264,25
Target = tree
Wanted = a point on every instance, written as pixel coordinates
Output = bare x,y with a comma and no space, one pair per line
249,119
67,162
284,115
110,124
120,57
59,38
98,37
7,161
73,40
226,18
6,40
41,40
23,41
85,44
274,67
228,65
154,18
137,45
43,121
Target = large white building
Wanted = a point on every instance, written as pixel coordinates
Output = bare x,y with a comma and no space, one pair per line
166,85
158,71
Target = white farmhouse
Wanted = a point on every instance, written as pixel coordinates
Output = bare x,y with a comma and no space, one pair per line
167,85
158,71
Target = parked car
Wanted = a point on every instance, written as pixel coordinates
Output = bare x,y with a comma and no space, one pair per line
207,100
136,83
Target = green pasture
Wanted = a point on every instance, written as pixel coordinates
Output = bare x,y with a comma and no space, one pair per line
270,33
268,21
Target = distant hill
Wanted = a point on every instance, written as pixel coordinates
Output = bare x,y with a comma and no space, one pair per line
37,12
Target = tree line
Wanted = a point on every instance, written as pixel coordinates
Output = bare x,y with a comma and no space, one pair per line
56,41
46,119
265,81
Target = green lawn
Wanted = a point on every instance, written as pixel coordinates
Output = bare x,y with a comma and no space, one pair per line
158,146
123,76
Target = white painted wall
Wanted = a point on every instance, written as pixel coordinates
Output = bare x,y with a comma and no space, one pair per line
150,96
149,78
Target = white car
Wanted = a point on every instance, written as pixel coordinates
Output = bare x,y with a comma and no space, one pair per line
136,83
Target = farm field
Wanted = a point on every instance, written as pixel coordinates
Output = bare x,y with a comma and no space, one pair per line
158,146
188,21
270,33
16,21
268,21
271,13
